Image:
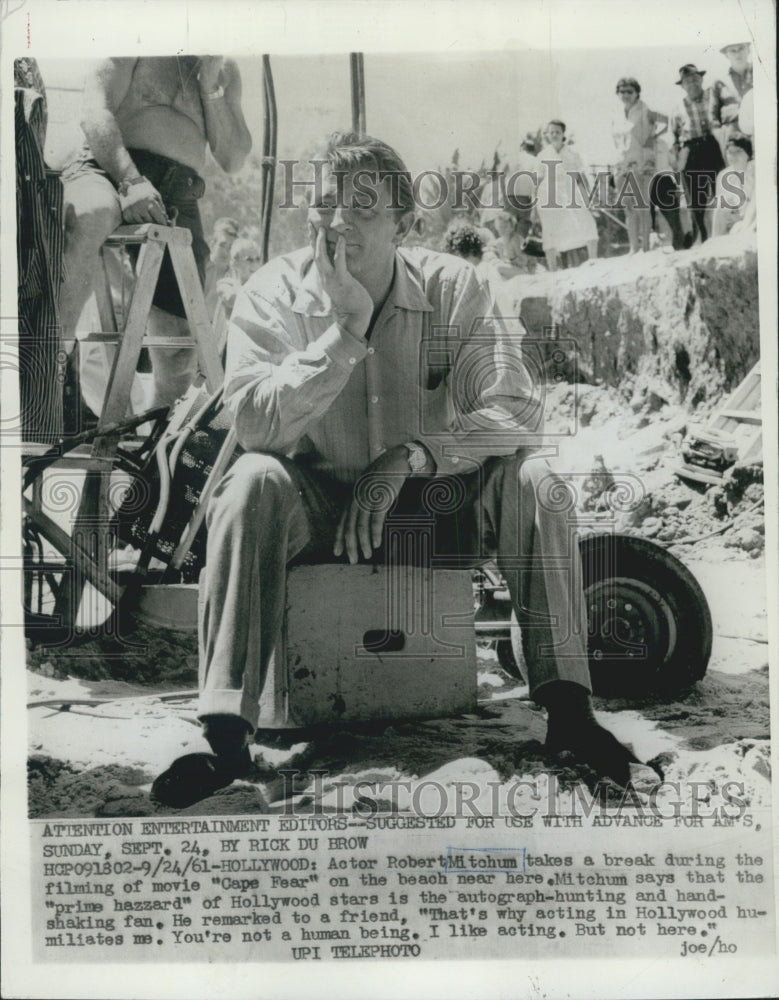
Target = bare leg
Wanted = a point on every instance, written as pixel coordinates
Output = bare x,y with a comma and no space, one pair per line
644,228
553,260
631,220
173,370
91,214
592,249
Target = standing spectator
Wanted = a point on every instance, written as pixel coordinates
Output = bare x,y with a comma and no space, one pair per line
245,258
634,130
224,234
696,151
728,94
566,224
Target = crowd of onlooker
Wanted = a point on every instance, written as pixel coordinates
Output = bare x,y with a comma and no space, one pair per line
693,169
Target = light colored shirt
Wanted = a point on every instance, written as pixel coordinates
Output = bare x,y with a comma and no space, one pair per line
633,131
440,367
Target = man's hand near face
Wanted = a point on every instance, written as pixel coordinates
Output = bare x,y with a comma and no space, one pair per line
352,305
361,527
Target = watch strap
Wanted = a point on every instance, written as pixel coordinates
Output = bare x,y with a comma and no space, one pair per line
417,456
125,186
215,95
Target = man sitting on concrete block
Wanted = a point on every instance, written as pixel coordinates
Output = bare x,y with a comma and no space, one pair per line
360,374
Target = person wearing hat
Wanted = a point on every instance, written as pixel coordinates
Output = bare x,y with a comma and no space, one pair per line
729,94
696,151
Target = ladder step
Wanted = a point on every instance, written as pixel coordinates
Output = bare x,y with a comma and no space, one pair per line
111,337
747,416
129,235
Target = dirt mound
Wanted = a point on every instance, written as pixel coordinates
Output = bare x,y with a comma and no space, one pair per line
688,319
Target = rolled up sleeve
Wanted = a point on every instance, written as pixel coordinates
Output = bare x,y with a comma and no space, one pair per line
278,381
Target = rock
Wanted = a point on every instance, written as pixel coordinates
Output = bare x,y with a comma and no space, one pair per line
668,533
655,402
753,493
758,759
651,527
737,480
745,538
717,501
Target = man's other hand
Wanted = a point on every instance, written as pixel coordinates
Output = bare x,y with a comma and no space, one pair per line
143,203
361,526
210,74
352,305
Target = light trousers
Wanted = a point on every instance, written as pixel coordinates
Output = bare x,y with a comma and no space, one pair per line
268,511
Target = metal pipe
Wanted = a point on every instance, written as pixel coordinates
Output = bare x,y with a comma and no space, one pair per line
269,145
357,75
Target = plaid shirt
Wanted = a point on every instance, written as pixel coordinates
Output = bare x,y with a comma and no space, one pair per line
695,119
440,367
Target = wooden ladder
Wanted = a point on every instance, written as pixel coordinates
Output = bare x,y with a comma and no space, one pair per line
91,538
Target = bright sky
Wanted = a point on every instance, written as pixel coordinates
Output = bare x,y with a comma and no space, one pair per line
429,105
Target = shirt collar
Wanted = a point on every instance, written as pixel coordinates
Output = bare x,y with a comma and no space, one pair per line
406,293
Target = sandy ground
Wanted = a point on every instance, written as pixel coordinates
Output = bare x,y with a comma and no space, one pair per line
99,758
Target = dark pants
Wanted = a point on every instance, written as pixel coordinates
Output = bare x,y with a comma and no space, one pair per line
699,174
180,188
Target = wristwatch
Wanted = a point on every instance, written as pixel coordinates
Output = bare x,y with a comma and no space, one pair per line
125,186
417,456
215,94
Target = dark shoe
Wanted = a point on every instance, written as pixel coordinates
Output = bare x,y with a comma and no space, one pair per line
572,726
599,749
227,735
193,777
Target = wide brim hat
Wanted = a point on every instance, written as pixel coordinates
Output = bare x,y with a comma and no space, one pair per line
689,69
730,45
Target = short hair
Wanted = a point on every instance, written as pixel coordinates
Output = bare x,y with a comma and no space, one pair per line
225,227
242,246
742,142
628,81
463,239
348,151
556,121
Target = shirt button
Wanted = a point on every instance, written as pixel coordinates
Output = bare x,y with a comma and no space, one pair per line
371,350
374,399
352,361
455,460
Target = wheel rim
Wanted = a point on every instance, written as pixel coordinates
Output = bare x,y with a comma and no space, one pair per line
629,621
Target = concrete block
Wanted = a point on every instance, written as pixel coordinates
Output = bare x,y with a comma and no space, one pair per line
375,642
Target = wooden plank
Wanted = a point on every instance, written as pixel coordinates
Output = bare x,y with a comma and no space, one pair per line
745,416
117,397
74,554
195,308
